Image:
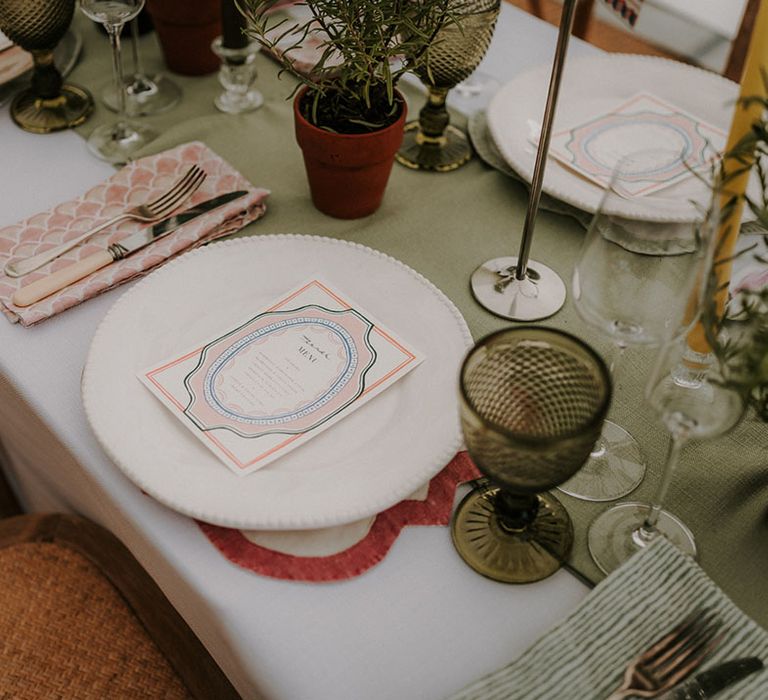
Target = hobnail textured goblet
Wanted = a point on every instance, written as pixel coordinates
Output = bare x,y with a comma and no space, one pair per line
533,401
431,143
48,104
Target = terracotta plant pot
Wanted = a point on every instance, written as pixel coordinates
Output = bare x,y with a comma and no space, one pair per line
185,30
347,173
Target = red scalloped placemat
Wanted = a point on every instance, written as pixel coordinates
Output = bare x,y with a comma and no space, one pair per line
434,510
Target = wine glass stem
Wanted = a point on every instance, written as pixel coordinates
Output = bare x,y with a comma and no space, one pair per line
618,356
137,67
117,68
620,347
434,118
648,529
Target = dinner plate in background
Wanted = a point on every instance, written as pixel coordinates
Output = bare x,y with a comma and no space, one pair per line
373,458
597,84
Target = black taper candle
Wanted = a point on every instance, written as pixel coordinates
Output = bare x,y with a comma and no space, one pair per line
232,26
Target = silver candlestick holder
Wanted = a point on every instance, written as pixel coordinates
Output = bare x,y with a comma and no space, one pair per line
517,288
237,75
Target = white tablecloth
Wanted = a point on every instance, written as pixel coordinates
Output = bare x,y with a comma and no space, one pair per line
419,625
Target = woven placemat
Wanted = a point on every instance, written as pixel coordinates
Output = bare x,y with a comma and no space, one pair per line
584,657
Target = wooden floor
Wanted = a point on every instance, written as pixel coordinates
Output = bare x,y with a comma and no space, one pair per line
599,33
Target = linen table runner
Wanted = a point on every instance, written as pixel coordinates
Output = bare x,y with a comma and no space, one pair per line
140,181
585,656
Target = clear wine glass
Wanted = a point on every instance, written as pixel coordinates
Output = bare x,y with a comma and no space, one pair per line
634,280
693,403
118,142
475,85
144,94
532,403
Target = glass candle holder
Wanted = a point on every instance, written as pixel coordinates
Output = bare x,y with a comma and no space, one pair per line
237,75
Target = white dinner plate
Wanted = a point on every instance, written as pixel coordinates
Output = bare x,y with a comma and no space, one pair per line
373,458
592,85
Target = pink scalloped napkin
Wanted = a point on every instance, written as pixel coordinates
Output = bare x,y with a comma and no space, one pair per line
340,553
138,182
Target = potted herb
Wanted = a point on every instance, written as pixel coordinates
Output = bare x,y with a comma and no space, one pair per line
349,116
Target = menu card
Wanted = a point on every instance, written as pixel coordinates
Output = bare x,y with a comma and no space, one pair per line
266,386
647,123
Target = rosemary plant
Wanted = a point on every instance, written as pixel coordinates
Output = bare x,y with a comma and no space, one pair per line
366,46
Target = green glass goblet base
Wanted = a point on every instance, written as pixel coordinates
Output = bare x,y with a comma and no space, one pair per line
442,154
70,108
616,534
523,555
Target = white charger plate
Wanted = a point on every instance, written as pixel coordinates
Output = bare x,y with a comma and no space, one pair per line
374,458
596,84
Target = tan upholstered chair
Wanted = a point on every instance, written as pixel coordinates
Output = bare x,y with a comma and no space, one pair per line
81,619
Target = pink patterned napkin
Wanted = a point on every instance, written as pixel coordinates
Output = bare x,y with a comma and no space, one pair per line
433,509
140,181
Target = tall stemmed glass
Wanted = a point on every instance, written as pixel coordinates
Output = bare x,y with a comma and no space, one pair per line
118,142
48,104
688,395
632,281
532,402
144,94
431,143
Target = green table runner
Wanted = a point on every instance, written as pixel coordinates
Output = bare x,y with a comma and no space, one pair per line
444,226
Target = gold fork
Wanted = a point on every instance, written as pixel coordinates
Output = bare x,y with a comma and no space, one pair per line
148,212
671,658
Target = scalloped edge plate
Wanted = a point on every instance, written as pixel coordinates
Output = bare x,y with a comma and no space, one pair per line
374,458
594,84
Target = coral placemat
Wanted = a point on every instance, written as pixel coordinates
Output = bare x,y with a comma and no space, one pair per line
432,508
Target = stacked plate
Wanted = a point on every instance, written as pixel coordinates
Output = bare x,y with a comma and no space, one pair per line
594,85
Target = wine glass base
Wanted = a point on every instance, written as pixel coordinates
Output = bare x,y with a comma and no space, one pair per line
474,86
237,104
508,556
42,116
144,95
612,537
539,295
118,144
615,469
445,155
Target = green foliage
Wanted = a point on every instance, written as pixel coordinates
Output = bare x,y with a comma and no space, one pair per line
738,334
739,339
367,45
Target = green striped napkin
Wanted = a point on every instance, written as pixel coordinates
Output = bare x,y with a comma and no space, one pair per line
584,657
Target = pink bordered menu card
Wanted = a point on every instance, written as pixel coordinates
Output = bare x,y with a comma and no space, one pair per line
282,376
675,143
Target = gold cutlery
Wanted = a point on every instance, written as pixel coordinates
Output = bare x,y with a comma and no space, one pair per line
672,658
46,286
148,212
